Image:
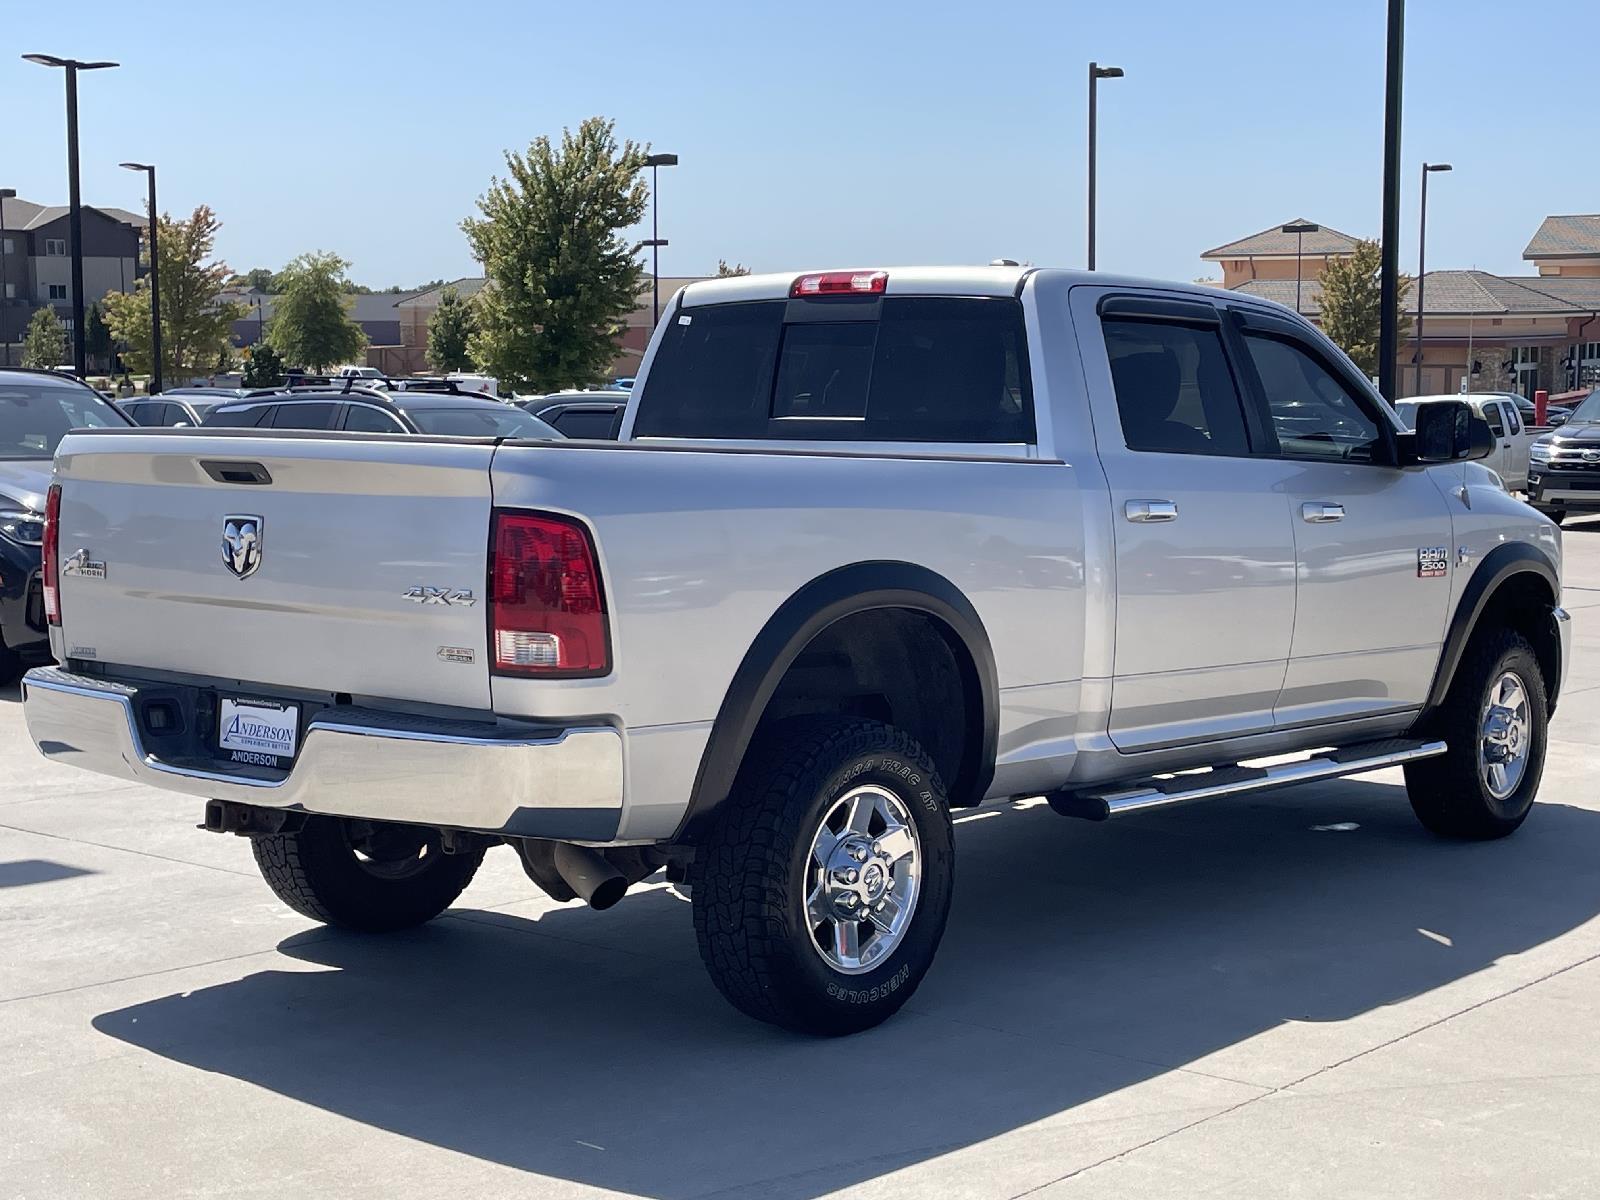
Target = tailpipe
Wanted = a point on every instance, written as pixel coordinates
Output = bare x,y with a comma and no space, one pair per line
594,879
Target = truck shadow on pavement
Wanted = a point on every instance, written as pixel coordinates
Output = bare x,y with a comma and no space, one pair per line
1080,960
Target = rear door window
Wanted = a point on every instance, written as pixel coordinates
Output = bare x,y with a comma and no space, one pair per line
906,369
594,423
368,418
304,416
1175,391
149,415
240,418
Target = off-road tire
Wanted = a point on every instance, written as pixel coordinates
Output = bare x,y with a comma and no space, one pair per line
315,871
1448,793
749,876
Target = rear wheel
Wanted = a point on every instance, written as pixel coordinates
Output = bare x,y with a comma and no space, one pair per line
821,893
1494,723
370,876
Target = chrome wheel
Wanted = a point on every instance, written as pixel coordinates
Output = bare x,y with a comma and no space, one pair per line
863,878
1506,736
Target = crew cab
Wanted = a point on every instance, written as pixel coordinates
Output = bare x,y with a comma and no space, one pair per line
873,546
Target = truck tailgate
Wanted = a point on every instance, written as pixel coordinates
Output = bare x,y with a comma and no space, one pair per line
366,576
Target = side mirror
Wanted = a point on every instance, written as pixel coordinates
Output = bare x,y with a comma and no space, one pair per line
1447,431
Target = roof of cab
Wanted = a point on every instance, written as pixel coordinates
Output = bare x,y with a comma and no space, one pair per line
942,281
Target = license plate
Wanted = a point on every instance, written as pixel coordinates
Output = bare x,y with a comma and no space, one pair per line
258,732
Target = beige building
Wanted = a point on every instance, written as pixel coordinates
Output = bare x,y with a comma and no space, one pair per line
1516,333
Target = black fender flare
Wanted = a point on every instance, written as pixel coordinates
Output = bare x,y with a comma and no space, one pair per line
842,592
1499,565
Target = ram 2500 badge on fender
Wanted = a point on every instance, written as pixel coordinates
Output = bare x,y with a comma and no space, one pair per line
873,546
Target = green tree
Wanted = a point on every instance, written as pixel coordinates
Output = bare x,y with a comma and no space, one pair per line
561,277
1350,304
724,271
449,330
257,278
46,342
195,328
311,325
263,368
97,336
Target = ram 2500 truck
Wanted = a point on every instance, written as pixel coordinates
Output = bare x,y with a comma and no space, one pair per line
873,546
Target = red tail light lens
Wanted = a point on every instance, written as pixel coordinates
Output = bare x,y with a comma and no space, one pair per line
840,283
51,568
547,612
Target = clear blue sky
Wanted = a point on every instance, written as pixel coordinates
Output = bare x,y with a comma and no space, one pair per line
821,133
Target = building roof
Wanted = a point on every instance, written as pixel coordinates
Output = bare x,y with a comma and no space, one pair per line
1273,242
366,309
22,215
1459,293
466,287
1575,236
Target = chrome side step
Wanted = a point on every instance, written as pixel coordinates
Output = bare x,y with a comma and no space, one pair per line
1235,780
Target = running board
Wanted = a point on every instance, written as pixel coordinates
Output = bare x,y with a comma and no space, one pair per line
1236,780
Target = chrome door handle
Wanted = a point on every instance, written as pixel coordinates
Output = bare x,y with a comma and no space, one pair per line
1321,514
1146,512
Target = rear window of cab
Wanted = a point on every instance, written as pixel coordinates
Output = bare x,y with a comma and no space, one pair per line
878,368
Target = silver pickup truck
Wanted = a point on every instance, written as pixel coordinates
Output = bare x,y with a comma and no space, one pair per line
873,546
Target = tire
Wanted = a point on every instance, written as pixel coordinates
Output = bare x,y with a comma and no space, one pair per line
754,879
10,665
402,878
1457,795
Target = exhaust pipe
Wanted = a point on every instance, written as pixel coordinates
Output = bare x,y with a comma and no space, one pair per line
590,876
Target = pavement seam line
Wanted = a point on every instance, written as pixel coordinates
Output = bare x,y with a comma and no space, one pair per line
182,862
1293,1083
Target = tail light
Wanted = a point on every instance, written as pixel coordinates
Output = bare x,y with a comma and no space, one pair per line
547,612
840,283
52,555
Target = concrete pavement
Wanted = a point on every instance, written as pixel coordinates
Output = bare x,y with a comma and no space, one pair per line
1244,998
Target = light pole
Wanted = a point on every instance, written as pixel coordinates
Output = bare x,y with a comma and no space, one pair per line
1299,229
1096,74
155,279
5,336
1422,277
654,162
75,214
1389,270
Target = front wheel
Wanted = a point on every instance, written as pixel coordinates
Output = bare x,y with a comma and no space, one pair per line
370,876
1493,720
821,892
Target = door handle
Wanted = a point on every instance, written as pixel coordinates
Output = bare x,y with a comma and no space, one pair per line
1147,512
1318,513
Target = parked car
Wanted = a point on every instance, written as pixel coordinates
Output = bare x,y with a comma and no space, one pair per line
1513,436
37,408
1554,414
582,414
1564,472
874,546
361,410
178,406
623,383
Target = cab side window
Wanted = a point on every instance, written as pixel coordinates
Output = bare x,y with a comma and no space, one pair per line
368,418
1513,417
1175,391
1491,414
303,416
1314,414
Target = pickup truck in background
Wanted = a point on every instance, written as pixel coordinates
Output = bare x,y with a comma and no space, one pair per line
872,546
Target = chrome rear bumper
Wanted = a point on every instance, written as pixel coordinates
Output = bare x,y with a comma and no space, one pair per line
519,779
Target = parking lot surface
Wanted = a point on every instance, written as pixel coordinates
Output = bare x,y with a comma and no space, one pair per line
1297,994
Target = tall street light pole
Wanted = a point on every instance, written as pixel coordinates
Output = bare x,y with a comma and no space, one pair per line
5,319
72,66
155,278
1389,271
1299,229
1096,74
654,162
1422,270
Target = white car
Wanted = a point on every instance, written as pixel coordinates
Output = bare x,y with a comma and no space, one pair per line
1512,436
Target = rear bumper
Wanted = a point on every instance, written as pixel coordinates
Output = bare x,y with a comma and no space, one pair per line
517,779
